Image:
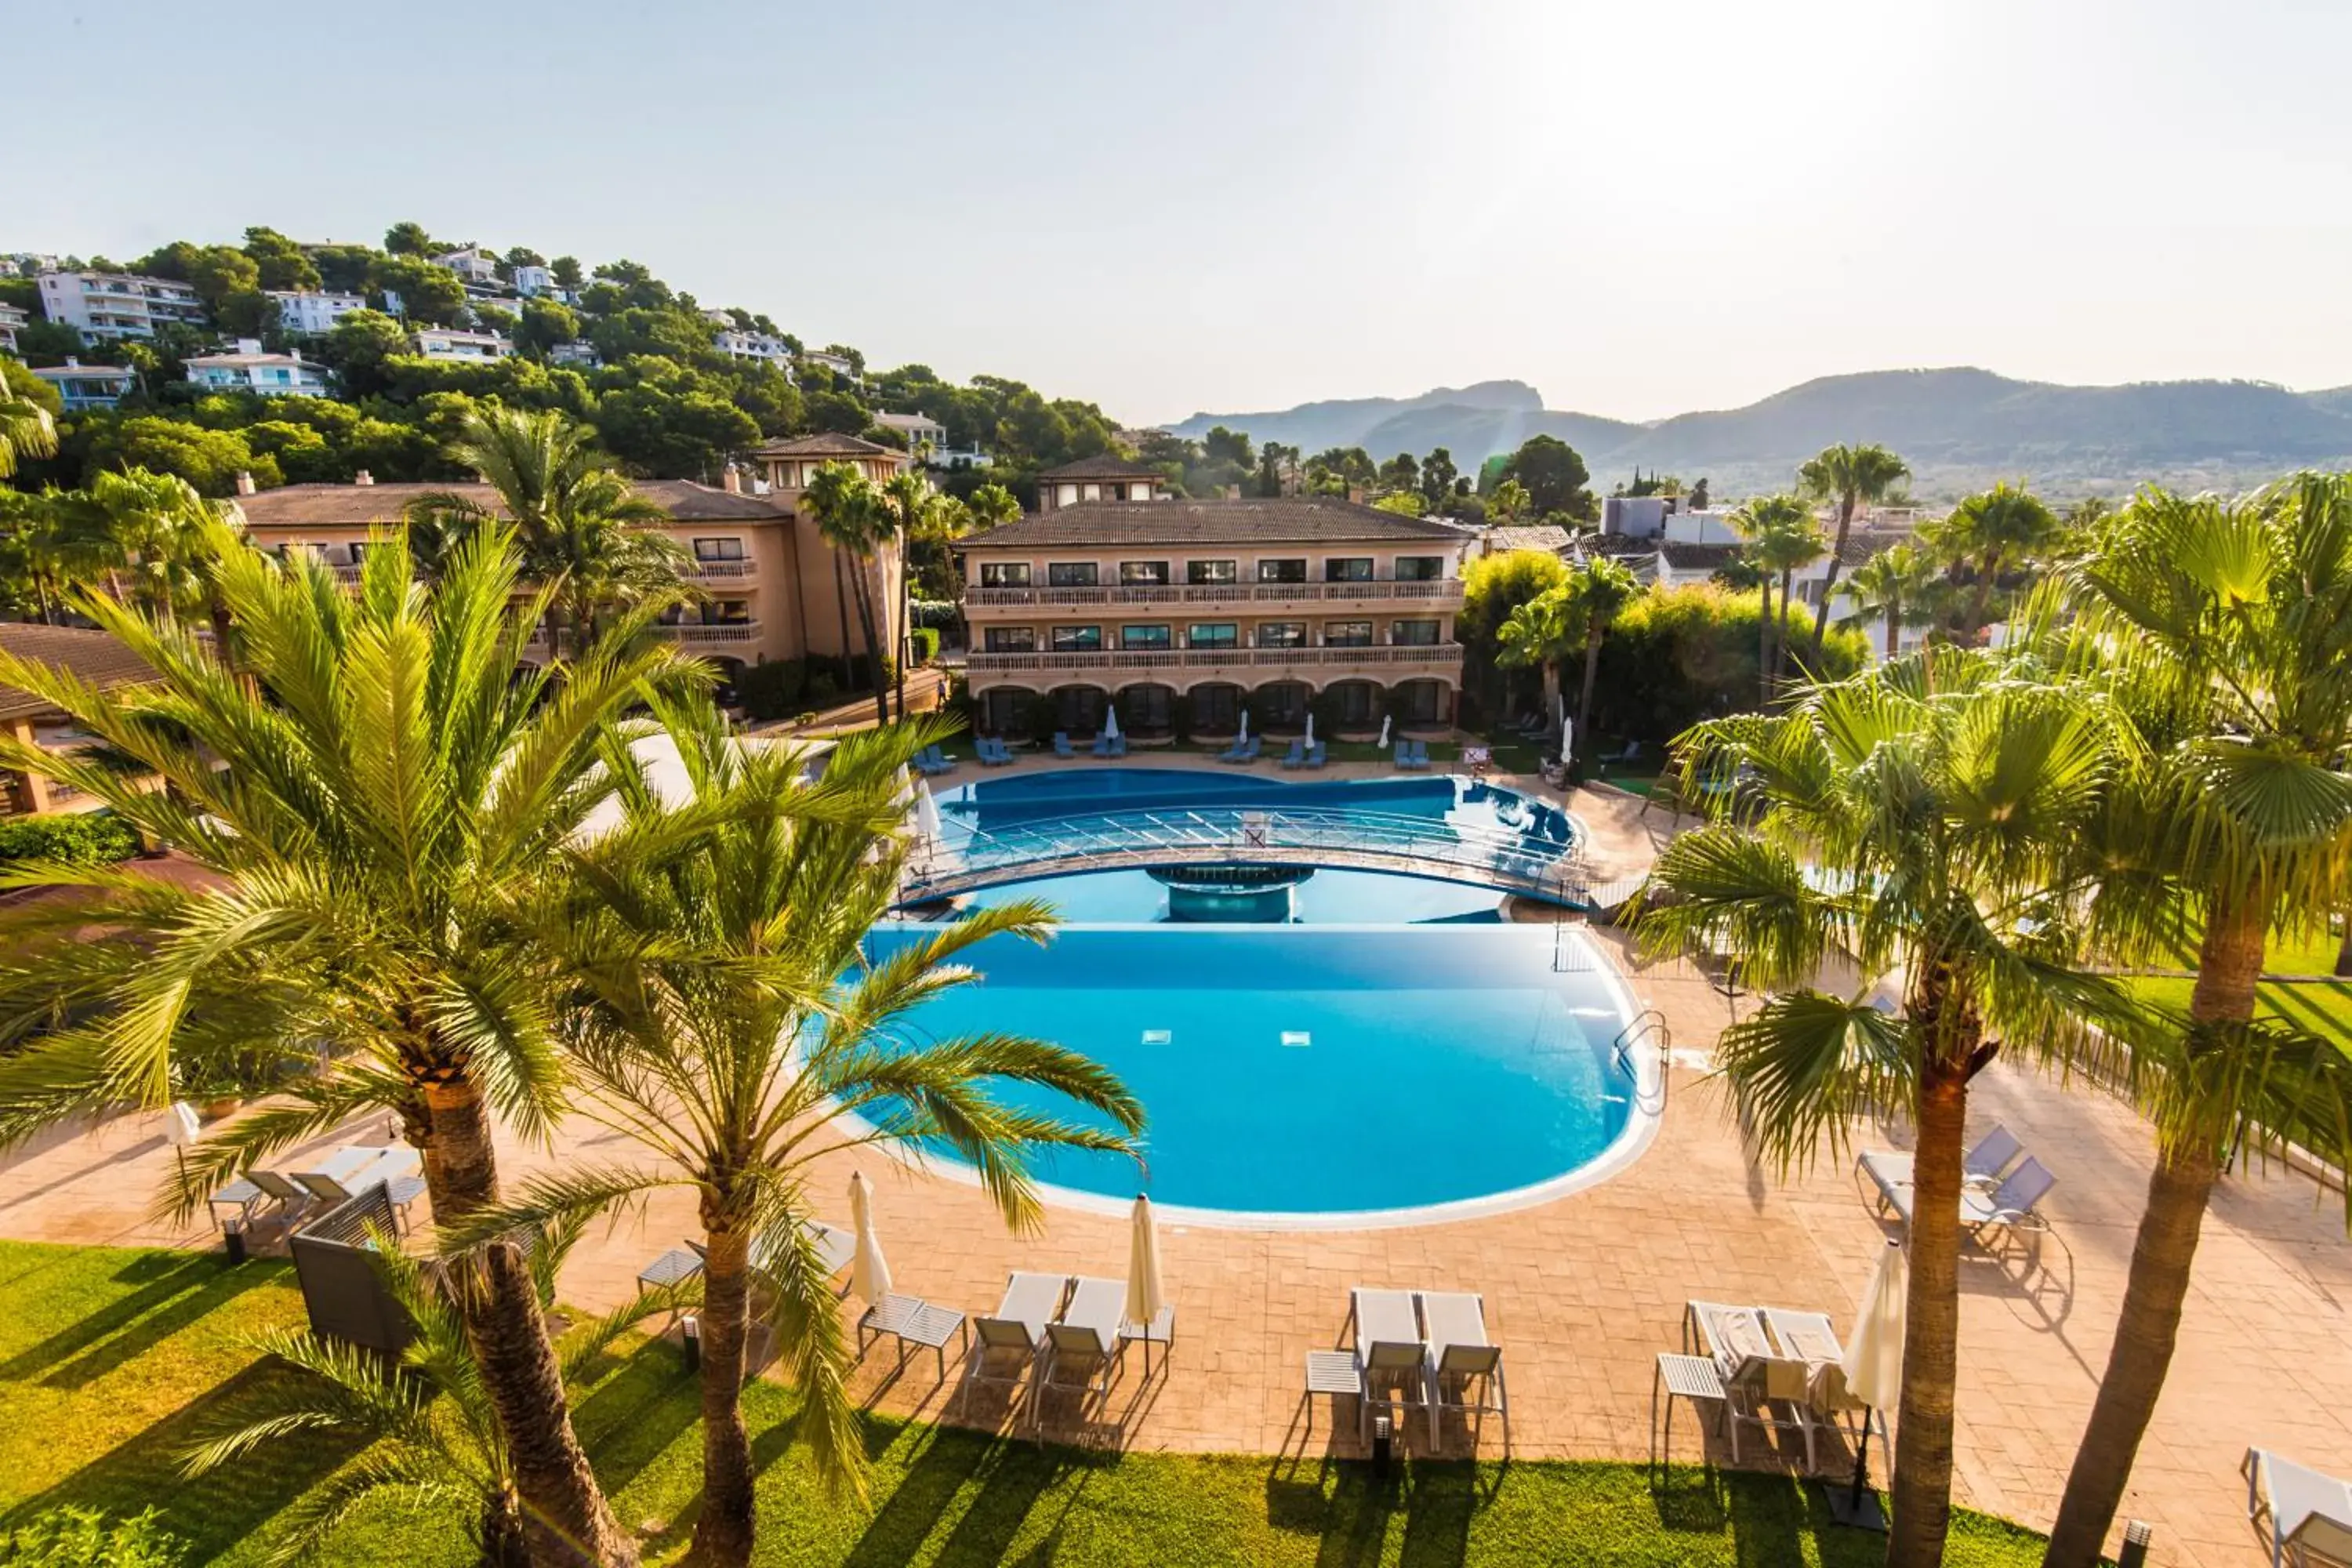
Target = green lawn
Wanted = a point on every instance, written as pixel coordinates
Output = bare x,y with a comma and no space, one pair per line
109,1360
2323,1007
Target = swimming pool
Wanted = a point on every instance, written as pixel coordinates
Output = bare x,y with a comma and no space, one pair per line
1368,1048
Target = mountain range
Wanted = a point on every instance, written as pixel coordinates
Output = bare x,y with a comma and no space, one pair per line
1960,428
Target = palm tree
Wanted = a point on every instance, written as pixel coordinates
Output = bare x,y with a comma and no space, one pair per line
1507,501
159,533
373,823
993,506
1993,533
1853,477
429,1434
27,430
1921,819
1601,591
848,511
2225,631
1542,632
1892,587
1782,538
715,1030
913,509
575,518
51,546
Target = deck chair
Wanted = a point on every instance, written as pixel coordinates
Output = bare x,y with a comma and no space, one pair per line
1005,1346
1465,1368
1083,1347
2009,1207
1402,754
402,1192
1101,748
1891,1168
1808,1338
1062,744
1234,752
1119,744
1391,1356
1318,755
1756,1375
1297,756
2305,1517
276,1188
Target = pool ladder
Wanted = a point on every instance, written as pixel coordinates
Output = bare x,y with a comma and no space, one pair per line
1648,1025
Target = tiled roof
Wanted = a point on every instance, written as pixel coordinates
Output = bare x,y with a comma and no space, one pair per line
1615,546
1549,537
1105,466
357,506
1287,520
1862,544
825,444
1685,557
90,656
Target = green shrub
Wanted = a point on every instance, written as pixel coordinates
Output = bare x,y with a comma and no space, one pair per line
822,689
81,1538
926,640
80,839
1678,656
769,690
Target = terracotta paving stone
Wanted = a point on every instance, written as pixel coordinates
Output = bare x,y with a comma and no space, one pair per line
1583,1290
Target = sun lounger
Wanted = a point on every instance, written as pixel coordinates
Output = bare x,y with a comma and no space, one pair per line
1062,744
1233,754
1390,1356
1808,1337
1465,1368
1757,1373
1891,1168
2306,1517
1416,754
1318,755
1005,1345
402,1191
1082,1346
1401,754
912,1322
1297,756
2010,1207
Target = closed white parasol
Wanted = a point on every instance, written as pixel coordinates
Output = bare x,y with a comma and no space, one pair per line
1110,721
1310,729
1146,1297
1385,732
1244,734
1873,1364
870,1272
927,812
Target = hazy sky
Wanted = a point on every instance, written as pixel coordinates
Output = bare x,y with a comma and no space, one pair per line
1642,208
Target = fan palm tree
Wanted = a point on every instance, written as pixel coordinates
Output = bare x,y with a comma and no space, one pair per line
1507,501
715,1029
50,546
2225,628
848,511
1892,587
1922,818
1542,633
1601,589
372,824
1993,534
993,506
577,523
914,510
430,1431
1782,538
27,430
1853,477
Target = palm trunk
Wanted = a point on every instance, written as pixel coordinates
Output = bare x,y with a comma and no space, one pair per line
2229,966
2343,953
862,592
1781,633
1550,698
841,611
1828,581
1591,668
1894,629
565,1518
504,1540
903,644
722,1535
1764,649
1922,1488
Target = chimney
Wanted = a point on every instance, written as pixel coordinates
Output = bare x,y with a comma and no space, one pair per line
362,478
732,480
1355,495
245,485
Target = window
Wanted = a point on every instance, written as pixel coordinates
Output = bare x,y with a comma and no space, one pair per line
1077,639
1354,703
1147,709
1420,568
1416,701
1143,574
1217,709
1347,633
1282,571
1144,638
1218,634
1001,710
1011,640
1209,572
1281,703
358,551
728,613
1005,574
1282,634
1348,569
718,550
1413,634
1069,575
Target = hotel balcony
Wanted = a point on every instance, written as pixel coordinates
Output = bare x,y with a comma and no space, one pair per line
1442,593
693,633
1241,666
722,572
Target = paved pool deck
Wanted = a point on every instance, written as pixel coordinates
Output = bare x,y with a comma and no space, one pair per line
1583,1290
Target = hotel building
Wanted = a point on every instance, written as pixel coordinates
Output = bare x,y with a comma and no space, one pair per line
118,304
1186,612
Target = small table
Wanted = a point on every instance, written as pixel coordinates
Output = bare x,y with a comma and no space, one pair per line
912,1321
1692,1377
1161,1330
1333,1372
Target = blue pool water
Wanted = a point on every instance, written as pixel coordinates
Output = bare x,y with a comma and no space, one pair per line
1324,898
1315,1070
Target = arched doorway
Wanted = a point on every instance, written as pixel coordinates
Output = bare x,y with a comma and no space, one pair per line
1079,709
1216,707
1419,704
1279,706
1147,711
1354,704
1004,711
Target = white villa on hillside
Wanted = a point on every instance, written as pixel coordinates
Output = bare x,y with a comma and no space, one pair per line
246,368
450,343
118,304
308,314
87,385
13,318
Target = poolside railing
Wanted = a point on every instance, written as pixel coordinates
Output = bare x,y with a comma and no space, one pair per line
1500,858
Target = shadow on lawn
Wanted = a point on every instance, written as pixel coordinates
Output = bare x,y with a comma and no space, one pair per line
174,1290
1004,1481
1351,1510
216,1511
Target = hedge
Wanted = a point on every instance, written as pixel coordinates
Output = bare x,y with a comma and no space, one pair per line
80,839
1679,654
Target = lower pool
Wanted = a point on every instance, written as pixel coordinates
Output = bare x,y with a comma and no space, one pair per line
1324,1074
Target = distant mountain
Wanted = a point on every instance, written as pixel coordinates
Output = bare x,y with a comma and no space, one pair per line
1958,427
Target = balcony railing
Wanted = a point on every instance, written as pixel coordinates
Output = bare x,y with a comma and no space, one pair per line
1400,660
692,632
1420,590
719,571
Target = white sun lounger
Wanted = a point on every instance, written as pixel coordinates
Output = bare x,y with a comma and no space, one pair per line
1082,1344
1891,1168
1757,1373
1005,1346
2009,1207
2306,1517
1808,1337
1390,1352
1461,1357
